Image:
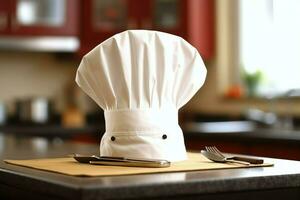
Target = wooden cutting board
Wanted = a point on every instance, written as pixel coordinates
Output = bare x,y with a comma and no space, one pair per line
71,167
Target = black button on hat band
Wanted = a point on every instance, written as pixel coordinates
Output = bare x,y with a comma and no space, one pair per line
164,136
112,138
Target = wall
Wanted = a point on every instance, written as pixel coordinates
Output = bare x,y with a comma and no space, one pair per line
33,74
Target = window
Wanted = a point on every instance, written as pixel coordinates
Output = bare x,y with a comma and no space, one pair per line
269,45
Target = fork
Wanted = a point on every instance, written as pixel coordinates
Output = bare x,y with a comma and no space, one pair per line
216,151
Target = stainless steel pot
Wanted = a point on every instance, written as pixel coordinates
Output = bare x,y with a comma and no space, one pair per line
2,113
34,110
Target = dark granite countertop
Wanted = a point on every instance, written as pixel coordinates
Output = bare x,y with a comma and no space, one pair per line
277,182
249,133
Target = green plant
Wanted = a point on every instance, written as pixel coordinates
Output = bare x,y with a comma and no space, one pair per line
252,81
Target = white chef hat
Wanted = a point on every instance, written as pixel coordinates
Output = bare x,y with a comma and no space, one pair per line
141,78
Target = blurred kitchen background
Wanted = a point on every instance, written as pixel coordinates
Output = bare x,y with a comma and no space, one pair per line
249,103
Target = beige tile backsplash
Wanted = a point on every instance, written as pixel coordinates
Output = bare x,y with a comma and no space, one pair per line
32,74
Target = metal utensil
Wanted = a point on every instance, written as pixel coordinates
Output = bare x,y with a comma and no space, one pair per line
217,158
216,151
3,113
121,161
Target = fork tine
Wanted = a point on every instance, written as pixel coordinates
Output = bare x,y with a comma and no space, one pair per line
208,149
218,151
211,149
214,150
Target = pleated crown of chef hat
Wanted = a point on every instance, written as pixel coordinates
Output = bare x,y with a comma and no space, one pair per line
140,79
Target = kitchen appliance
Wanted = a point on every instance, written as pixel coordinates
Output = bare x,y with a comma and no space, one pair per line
35,110
2,113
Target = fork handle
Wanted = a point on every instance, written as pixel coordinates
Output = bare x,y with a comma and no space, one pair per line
238,162
249,160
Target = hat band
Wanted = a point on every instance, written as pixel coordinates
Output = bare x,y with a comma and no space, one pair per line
151,133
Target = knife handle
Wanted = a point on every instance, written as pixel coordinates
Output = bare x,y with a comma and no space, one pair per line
249,160
85,158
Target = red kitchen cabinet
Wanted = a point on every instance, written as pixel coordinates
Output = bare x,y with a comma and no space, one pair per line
39,18
164,15
103,18
200,26
191,19
5,7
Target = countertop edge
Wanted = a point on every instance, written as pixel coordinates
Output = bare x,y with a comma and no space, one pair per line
162,189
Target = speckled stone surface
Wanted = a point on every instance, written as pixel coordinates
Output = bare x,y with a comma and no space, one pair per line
280,181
